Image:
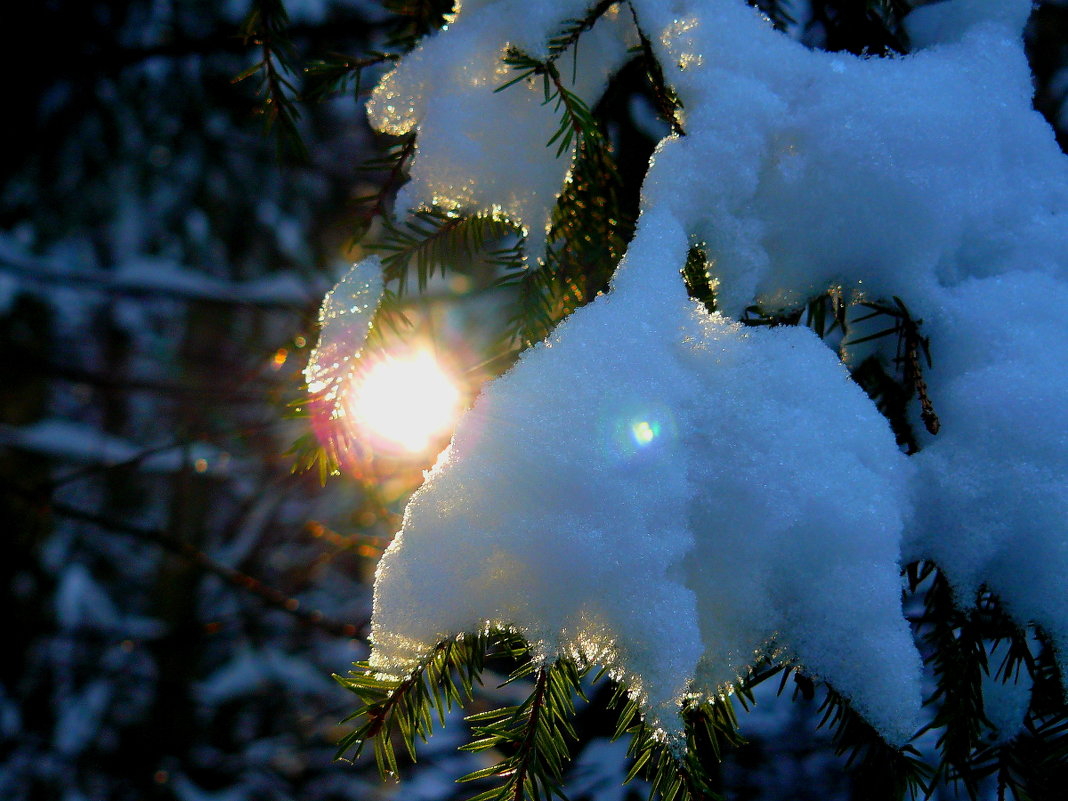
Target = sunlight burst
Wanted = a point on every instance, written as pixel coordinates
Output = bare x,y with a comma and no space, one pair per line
404,402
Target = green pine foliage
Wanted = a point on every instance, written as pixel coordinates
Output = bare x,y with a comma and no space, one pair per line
529,743
265,27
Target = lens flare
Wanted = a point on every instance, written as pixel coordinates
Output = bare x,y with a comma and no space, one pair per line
644,432
403,402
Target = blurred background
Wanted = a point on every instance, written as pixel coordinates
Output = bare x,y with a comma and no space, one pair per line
176,596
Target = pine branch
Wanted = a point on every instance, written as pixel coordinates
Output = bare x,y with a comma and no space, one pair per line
589,230
869,27
776,11
30,270
1037,767
395,162
577,121
668,104
416,18
572,29
443,679
824,313
266,26
671,776
827,313
539,305
683,771
699,282
958,660
880,770
337,73
535,735
891,398
434,240
959,645
909,345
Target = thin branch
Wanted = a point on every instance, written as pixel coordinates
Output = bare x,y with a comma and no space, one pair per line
527,747
914,376
270,595
110,57
558,45
218,394
380,716
213,290
396,173
667,104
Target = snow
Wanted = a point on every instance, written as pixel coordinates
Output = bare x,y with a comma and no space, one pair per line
958,175
147,275
345,319
81,603
249,671
71,441
990,494
80,718
664,433
655,487
444,90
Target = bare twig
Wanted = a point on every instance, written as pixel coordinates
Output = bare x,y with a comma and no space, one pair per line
270,595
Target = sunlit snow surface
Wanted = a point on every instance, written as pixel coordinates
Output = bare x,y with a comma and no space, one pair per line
345,319
481,150
689,550
662,489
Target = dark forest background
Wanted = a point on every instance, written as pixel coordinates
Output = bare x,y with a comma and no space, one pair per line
177,597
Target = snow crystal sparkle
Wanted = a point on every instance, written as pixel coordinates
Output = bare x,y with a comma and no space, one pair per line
734,474
345,319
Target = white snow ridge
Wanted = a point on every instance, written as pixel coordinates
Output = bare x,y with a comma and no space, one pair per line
666,491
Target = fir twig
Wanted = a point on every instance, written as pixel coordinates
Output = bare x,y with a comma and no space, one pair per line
827,313
266,26
909,345
414,19
442,680
864,27
776,11
958,645
687,770
574,28
432,240
540,302
699,282
336,73
668,104
395,163
588,230
577,121
534,734
883,771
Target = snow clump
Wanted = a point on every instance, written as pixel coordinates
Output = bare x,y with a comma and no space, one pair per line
664,526
481,150
660,489
345,320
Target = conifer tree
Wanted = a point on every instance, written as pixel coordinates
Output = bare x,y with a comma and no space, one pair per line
712,145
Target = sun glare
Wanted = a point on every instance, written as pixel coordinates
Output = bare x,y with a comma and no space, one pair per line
645,432
404,402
